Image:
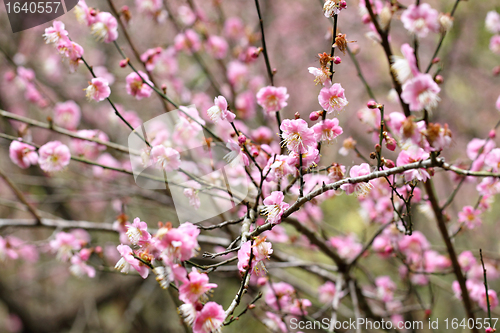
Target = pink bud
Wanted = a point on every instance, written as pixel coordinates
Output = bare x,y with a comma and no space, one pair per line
389,163
366,19
314,116
390,144
123,63
490,330
98,249
343,4
125,8
85,254
439,79
9,76
492,134
337,60
436,60
371,104
254,151
242,139
496,70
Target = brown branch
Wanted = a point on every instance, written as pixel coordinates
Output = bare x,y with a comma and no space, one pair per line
441,223
21,197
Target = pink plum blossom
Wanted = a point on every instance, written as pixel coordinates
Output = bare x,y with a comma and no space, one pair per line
466,260
98,90
89,149
236,156
412,155
105,27
360,189
297,135
332,98
493,22
55,33
220,110
272,98
65,244
492,300
209,319
327,130
137,232
80,268
178,244
151,57
327,292
128,261
195,287
67,115
421,19
309,158
83,13
421,92
189,41
470,217
274,207
72,51
405,67
22,154
385,288
53,156
495,44
137,87
166,158
217,47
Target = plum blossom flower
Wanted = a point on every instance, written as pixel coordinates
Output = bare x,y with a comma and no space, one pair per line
128,261
65,243
492,300
421,92
360,189
98,90
166,158
209,319
470,217
137,232
274,207
492,159
385,288
309,158
327,292
89,149
414,154
493,22
137,87
236,154
195,287
333,7
151,57
421,19
297,135
466,260
188,41
262,249
279,168
327,130
55,33
272,98
105,27
22,154
67,115
72,51
405,67
178,244
53,156
332,98
217,47
321,75
83,13
495,44
80,268
220,111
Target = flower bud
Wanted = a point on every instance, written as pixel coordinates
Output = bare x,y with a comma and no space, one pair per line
124,62
496,70
337,60
242,139
371,104
373,155
314,115
378,148
436,60
438,79
390,144
389,163
297,115
492,134
446,22
254,151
